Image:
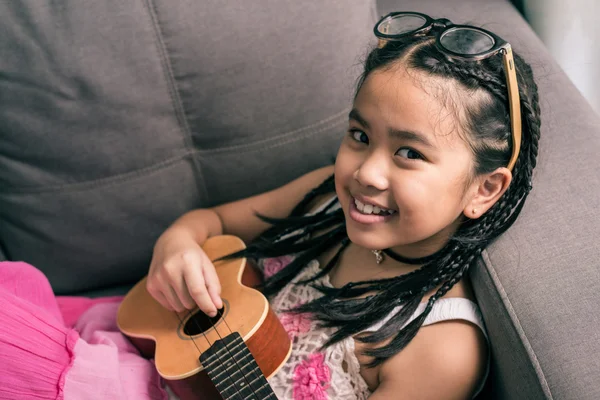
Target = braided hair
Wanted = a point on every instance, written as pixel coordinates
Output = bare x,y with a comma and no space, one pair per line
489,135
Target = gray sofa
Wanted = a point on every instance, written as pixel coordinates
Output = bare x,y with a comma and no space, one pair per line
118,116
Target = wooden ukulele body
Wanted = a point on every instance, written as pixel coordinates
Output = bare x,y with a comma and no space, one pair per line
165,335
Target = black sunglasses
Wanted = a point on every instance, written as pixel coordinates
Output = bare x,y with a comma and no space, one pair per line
463,42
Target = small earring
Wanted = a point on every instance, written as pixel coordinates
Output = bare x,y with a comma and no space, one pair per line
474,211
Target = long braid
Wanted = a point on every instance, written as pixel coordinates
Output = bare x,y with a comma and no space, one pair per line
500,213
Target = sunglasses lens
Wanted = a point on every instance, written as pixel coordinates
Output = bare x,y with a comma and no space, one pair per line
467,41
400,24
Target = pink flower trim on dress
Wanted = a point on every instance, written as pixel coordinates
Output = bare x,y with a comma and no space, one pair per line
276,264
311,379
295,323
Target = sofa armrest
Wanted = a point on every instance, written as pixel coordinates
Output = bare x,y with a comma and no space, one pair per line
538,284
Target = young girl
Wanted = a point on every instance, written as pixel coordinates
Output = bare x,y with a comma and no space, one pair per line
364,261
424,172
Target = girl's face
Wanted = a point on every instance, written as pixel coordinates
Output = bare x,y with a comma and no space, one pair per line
402,153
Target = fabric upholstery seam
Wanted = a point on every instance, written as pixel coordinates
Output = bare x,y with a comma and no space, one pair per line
103,182
517,324
276,141
321,125
124,177
174,94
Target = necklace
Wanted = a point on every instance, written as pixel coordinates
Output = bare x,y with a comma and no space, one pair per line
378,256
413,261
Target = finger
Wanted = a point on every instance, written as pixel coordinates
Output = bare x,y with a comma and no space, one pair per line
155,262
213,284
197,288
163,301
178,283
173,299
178,294
157,294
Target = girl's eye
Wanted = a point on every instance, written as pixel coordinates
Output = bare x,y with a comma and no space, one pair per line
409,153
359,136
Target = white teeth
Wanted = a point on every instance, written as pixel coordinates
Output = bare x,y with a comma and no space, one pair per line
359,205
371,209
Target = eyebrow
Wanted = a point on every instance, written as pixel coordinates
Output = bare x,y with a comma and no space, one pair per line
355,115
410,136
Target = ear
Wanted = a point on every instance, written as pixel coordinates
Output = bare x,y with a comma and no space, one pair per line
486,191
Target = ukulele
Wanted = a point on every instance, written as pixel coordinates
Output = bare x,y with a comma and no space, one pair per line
229,356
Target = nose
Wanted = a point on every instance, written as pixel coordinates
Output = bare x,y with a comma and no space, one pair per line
373,172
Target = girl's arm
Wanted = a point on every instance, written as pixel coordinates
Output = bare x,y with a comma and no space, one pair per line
444,361
238,218
181,276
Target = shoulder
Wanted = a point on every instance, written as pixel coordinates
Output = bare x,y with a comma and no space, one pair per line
445,360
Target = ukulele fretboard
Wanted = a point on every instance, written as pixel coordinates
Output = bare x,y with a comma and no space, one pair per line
234,371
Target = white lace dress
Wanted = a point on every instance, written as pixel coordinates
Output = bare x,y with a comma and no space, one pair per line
333,372
311,373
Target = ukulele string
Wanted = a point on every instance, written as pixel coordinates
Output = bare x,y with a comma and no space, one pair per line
191,316
217,353
231,355
193,341
254,372
229,352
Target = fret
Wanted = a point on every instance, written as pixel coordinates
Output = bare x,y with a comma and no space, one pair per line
239,370
237,364
235,384
237,378
226,353
263,386
234,371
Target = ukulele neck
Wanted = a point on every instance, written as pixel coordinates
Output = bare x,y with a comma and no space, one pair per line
234,371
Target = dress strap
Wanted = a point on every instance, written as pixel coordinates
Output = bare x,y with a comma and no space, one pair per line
455,308
443,310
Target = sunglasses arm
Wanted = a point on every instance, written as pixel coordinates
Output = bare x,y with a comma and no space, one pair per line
514,103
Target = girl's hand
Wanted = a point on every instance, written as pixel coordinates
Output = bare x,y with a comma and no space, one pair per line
181,275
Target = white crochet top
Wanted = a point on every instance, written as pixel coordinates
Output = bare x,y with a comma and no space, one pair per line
312,373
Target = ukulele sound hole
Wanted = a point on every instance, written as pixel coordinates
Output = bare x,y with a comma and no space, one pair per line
200,322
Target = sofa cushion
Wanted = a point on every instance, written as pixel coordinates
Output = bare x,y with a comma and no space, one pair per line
117,117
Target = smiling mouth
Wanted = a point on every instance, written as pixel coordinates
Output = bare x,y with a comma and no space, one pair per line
369,209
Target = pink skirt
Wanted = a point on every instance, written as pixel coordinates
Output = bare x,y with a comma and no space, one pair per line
65,347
